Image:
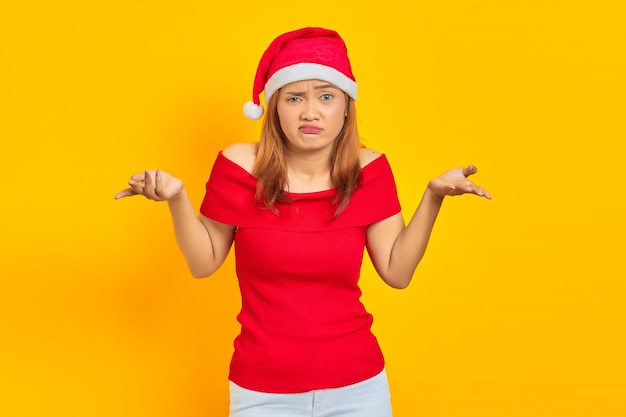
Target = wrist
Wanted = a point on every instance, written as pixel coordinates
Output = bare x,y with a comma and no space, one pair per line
180,196
432,194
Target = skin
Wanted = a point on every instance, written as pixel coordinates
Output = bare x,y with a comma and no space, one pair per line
303,108
311,114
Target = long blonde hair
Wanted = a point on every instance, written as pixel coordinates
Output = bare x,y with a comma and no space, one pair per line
270,168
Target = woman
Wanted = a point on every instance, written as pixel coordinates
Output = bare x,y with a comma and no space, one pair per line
301,205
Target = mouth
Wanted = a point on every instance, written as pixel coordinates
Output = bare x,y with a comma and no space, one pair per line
310,129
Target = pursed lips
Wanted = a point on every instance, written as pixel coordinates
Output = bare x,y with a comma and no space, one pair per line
310,129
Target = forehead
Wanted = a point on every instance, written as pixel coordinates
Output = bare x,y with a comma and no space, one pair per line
308,84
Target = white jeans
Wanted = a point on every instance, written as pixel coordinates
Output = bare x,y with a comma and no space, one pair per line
369,398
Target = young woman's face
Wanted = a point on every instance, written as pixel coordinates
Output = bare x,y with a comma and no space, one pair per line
311,114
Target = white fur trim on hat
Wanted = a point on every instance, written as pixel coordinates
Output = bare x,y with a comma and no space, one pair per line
308,71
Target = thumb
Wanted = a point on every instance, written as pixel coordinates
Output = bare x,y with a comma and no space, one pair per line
469,170
124,193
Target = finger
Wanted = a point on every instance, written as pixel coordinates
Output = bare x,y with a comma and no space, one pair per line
125,193
469,170
138,177
148,186
151,186
479,191
158,184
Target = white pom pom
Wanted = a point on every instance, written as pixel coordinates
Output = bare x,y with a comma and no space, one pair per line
252,111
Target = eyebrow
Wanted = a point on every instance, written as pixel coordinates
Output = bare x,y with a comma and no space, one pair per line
317,87
323,86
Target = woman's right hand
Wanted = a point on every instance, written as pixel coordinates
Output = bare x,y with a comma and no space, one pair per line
154,185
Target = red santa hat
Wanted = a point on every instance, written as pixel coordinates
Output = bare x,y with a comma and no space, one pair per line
304,54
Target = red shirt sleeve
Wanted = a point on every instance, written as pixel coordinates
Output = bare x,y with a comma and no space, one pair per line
376,198
229,194
230,197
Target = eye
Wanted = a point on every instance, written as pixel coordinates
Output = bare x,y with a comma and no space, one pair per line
293,99
327,97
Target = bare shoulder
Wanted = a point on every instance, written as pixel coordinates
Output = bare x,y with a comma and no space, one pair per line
243,154
368,155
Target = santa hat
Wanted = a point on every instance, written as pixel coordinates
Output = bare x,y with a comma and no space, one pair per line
303,54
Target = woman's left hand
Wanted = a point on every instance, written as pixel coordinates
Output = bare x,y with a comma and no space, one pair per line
455,182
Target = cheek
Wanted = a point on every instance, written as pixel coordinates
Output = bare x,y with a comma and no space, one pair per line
339,112
338,117
282,117
286,121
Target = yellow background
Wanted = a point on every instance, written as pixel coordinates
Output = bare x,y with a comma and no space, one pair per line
518,308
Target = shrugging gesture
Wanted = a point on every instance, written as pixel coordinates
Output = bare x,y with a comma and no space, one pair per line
154,185
455,182
299,253
396,249
205,243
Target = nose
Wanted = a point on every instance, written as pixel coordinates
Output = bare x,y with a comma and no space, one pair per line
309,111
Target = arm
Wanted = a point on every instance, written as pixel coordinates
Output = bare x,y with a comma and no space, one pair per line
205,243
396,250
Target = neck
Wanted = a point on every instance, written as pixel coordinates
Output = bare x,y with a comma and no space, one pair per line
308,172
